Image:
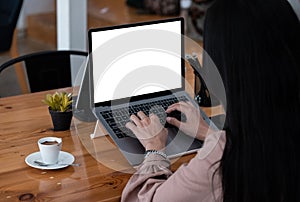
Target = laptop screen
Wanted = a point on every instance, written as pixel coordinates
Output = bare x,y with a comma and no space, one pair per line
137,60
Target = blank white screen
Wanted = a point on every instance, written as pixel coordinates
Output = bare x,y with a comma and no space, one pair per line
109,76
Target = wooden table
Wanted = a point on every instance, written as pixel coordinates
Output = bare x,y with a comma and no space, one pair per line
23,120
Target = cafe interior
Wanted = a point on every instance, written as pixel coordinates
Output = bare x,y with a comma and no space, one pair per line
36,28
38,33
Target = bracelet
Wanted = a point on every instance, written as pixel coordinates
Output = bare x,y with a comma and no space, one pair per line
148,152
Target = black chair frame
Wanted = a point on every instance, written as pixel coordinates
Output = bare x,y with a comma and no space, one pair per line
9,14
47,69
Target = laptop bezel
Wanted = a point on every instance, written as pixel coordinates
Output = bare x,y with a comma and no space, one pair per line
146,96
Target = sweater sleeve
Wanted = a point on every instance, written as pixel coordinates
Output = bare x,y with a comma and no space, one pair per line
199,180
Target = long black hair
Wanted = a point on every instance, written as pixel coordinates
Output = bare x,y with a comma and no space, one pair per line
256,46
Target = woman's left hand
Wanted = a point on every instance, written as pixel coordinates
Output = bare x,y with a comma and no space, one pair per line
149,131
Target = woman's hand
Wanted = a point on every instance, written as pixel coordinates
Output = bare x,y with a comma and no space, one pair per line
149,131
195,125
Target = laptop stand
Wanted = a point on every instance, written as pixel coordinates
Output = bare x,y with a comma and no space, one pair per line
98,131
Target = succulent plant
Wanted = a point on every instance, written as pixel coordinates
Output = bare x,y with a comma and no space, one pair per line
59,101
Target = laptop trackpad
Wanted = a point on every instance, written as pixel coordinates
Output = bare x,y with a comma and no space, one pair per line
179,143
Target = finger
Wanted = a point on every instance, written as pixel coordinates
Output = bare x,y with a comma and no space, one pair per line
145,121
153,117
136,120
173,121
142,115
130,126
179,106
134,129
172,107
183,103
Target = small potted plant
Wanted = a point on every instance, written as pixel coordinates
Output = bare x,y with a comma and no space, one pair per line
60,109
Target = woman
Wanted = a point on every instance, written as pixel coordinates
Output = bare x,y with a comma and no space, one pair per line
256,47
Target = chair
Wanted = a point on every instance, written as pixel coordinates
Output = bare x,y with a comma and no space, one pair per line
9,14
47,69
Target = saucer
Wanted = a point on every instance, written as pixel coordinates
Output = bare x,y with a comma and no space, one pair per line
63,158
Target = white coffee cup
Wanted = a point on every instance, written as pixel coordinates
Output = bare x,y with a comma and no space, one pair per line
50,148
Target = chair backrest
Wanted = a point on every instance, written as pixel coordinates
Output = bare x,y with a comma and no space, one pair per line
47,69
9,14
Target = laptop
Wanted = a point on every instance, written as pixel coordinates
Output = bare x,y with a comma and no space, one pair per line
135,67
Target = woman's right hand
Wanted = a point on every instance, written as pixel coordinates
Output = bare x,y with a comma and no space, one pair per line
195,125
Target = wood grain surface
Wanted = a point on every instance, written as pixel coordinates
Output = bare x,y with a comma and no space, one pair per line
101,177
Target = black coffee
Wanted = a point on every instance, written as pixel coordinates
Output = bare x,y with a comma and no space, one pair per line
49,143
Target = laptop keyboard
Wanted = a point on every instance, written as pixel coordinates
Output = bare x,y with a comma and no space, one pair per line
117,118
